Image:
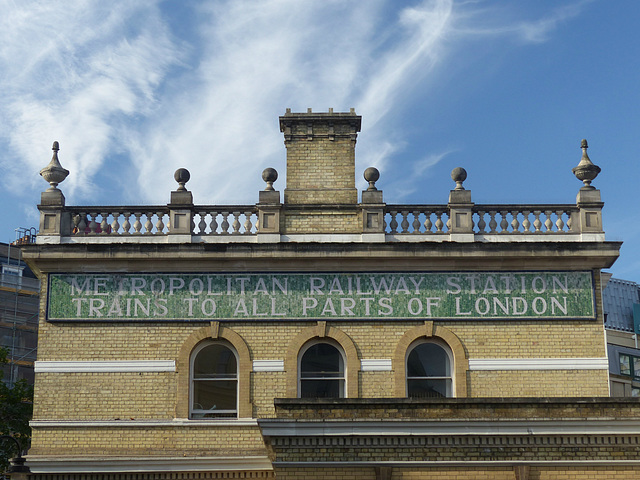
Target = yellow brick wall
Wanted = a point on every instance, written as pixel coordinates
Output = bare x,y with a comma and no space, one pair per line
154,395
105,396
321,222
541,383
320,170
192,440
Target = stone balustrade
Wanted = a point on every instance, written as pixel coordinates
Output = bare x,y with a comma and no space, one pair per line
491,219
371,220
154,220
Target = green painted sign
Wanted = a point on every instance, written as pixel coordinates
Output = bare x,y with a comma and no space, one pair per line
335,296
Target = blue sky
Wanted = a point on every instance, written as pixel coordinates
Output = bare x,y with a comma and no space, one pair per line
135,90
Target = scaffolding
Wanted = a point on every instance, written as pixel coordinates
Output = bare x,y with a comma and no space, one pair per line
19,307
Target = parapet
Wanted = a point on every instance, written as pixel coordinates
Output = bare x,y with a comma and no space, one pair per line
321,205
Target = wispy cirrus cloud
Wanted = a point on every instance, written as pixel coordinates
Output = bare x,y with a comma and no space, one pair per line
78,72
114,81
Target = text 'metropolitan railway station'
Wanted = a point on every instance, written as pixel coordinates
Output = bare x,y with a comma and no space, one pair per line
325,333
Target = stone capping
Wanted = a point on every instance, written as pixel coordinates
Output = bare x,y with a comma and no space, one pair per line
104,366
539,363
456,409
226,335
268,365
320,332
105,464
376,365
438,334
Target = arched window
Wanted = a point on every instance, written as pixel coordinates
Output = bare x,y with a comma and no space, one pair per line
321,372
429,371
214,381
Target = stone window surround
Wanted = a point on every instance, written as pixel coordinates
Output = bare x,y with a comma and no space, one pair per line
318,332
215,332
447,352
439,334
305,348
194,354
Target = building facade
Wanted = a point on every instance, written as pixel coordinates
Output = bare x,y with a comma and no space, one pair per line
326,333
621,302
19,310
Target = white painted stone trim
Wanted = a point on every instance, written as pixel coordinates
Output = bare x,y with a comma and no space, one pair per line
176,422
539,363
99,366
459,427
105,464
325,238
466,463
268,365
375,365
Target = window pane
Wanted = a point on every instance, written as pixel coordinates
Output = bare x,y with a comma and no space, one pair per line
429,388
428,360
321,388
625,366
215,361
214,382
321,359
214,395
322,372
636,366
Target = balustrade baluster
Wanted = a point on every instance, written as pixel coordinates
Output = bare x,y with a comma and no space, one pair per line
104,226
394,223
481,223
202,224
247,222
137,225
526,224
93,226
126,226
439,222
160,224
537,224
79,223
428,224
148,225
493,224
214,224
236,223
559,222
515,224
115,226
504,225
405,221
548,223
225,223
416,221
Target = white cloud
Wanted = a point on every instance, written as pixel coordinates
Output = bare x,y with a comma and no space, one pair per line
72,72
109,79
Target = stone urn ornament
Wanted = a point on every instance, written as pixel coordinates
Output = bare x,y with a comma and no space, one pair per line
586,171
54,173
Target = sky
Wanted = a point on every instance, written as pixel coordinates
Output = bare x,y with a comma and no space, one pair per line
507,90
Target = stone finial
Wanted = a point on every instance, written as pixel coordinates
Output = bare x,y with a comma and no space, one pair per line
54,173
269,175
372,175
459,175
182,176
586,170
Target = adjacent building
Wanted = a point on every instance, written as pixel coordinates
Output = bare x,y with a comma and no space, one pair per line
621,302
323,333
19,308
